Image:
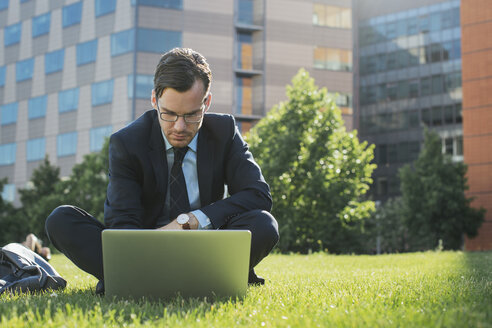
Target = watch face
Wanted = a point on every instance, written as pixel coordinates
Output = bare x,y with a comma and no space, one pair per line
182,219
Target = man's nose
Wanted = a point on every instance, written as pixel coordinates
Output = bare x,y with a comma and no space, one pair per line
180,124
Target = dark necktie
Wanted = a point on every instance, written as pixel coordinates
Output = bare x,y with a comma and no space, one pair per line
179,202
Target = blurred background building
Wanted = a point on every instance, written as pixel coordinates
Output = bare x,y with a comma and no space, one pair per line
73,72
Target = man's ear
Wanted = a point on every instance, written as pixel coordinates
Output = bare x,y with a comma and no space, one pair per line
208,101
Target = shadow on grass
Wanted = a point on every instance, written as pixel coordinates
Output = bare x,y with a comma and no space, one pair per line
86,304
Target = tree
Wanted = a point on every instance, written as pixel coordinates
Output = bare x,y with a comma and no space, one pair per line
434,202
10,230
317,171
86,187
40,198
385,231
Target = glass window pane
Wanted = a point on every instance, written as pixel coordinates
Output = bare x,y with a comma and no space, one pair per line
245,51
435,22
144,86
7,153
66,144
319,57
8,192
346,18
68,100
35,149
158,41
436,116
24,69
3,70
4,4
435,50
426,116
102,93
97,137
12,34
459,146
9,113
72,14
172,4
37,107
437,85
104,7
245,11
457,113
244,95
41,25
87,52
425,86
53,61
122,42
448,114
319,14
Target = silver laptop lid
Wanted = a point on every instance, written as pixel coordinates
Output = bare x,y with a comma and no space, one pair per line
163,264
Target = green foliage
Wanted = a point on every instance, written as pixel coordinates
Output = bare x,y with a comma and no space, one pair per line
11,230
446,289
386,227
39,199
86,187
317,171
434,202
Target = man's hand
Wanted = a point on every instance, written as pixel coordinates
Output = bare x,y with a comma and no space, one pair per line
174,225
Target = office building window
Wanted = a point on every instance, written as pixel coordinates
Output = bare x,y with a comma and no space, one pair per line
66,144
170,4
244,95
245,50
341,99
97,137
102,93
245,11
157,41
104,7
35,149
24,69
9,113
144,85
72,14
41,25
333,59
4,4
12,34
458,117
122,42
7,154
331,16
37,107
86,52
53,61
8,192
68,100
3,70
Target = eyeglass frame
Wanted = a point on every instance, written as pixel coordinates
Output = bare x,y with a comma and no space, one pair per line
184,116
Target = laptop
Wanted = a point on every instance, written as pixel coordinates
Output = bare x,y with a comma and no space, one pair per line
164,264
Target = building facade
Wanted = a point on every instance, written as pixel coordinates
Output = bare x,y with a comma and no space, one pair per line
73,72
407,77
476,19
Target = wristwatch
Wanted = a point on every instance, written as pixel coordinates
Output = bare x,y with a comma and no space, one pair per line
184,220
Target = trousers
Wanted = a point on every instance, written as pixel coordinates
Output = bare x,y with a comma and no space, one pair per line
77,234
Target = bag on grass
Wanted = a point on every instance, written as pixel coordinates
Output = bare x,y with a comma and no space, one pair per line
23,271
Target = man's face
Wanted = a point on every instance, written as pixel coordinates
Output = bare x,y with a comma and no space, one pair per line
192,103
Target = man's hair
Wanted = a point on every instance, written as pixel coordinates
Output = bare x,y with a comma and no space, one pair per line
179,68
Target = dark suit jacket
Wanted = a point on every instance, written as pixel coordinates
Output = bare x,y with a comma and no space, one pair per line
138,173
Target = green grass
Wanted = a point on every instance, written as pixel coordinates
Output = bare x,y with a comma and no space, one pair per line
433,289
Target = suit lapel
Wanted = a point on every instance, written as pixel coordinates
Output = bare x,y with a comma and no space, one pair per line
157,156
205,158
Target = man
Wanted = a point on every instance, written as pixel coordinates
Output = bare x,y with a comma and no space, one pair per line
167,170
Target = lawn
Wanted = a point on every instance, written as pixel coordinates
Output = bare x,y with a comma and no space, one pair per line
432,289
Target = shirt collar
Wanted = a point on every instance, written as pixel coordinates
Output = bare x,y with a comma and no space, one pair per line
192,145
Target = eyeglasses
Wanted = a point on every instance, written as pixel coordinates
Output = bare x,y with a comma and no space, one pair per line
195,117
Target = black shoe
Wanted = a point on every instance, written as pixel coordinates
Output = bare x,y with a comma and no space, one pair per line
254,280
100,288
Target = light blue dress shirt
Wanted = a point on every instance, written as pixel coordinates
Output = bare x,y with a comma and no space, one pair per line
191,179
